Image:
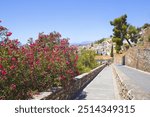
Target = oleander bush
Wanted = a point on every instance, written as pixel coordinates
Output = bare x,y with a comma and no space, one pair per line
37,66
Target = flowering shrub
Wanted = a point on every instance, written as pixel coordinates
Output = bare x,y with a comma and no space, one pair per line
36,66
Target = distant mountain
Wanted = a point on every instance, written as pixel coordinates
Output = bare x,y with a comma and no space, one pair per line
82,43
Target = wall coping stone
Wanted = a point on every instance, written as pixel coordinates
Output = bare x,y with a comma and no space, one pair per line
81,76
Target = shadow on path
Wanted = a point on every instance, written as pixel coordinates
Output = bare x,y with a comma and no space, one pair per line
82,96
101,88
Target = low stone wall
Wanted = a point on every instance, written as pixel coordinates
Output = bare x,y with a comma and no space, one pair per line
127,88
73,88
138,58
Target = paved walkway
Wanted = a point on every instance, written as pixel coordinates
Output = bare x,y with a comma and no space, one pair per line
140,78
101,88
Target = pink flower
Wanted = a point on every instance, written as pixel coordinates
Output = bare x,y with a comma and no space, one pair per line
40,36
12,67
67,63
12,86
9,34
76,58
62,77
16,41
3,72
49,67
13,59
37,62
2,28
1,67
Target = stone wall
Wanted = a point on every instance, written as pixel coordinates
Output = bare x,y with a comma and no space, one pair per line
128,90
138,58
118,59
146,37
73,88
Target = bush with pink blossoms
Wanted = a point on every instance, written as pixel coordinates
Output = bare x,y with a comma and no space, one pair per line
37,66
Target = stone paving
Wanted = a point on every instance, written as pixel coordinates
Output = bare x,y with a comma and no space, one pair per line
139,78
101,88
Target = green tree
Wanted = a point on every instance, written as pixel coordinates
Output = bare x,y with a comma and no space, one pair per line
100,41
120,31
132,34
146,25
112,53
123,31
86,61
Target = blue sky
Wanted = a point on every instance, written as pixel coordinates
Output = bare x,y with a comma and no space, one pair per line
79,20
